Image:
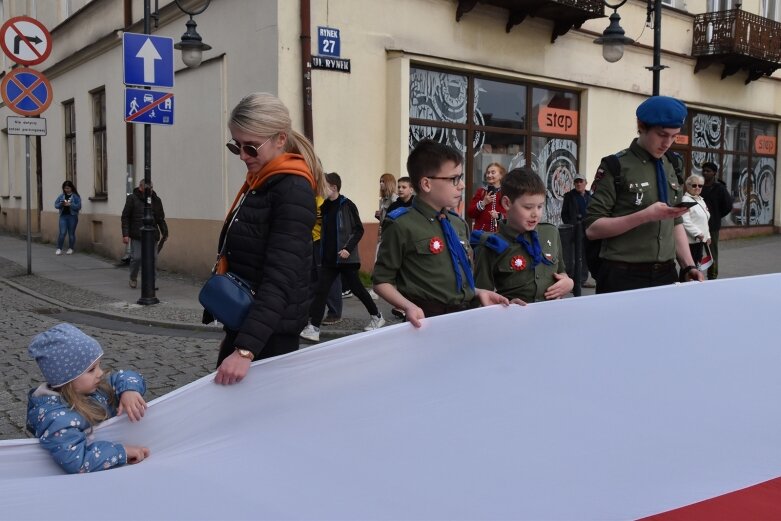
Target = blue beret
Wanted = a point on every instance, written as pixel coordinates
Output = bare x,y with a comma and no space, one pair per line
662,111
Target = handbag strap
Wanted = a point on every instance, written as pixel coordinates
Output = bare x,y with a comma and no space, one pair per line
231,219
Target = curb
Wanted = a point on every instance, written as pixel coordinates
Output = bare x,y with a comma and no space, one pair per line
108,314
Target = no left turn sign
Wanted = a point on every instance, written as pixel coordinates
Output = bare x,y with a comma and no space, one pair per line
25,40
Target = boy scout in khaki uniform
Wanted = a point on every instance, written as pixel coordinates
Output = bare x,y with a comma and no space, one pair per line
424,260
641,228
523,261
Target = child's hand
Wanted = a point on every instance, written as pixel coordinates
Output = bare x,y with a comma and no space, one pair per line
133,404
518,302
563,286
136,454
488,298
413,314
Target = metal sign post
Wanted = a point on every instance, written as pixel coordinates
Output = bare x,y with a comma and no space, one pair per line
27,92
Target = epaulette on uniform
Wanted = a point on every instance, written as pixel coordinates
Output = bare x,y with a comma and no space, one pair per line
491,240
398,212
621,153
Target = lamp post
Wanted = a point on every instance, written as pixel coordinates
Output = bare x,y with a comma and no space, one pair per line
613,38
192,47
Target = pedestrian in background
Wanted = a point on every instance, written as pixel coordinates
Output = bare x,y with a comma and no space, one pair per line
339,237
133,220
485,207
405,195
334,300
69,205
387,197
695,221
266,238
573,212
719,202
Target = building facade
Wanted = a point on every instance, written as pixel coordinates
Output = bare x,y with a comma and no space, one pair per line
519,82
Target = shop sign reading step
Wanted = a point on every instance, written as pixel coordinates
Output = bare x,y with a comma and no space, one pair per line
26,126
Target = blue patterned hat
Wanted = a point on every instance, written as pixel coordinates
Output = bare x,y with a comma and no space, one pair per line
64,353
662,111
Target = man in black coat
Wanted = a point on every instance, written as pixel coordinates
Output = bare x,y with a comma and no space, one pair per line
719,203
574,206
133,220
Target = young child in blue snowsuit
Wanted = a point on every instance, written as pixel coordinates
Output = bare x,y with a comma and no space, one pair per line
76,397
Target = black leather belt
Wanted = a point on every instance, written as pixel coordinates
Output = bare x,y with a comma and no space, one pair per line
641,266
433,309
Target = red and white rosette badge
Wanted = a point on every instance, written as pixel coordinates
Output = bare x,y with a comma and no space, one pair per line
435,245
518,263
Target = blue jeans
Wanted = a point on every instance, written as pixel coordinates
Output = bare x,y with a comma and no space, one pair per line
67,225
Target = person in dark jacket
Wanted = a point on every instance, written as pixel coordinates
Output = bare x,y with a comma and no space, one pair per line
574,207
719,203
339,237
133,220
267,236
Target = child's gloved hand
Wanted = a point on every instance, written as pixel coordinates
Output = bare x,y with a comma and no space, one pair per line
133,404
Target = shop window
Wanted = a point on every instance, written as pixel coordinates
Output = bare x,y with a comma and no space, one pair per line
491,120
745,151
69,115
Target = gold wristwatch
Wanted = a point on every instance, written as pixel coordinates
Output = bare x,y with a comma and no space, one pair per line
245,353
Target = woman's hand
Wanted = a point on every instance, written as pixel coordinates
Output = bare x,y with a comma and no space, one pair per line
136,454
488,198
344,254
133,404
232,370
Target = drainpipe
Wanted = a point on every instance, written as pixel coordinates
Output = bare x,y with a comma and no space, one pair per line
306,67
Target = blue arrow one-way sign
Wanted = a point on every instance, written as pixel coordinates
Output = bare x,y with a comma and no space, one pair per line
148,60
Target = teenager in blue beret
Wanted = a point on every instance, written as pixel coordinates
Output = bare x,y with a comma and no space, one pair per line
634,209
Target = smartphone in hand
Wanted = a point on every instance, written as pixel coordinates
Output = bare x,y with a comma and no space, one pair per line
685,204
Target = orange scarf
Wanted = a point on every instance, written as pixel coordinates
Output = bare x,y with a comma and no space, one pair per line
290,164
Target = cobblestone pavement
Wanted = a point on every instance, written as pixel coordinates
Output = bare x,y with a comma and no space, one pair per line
166,361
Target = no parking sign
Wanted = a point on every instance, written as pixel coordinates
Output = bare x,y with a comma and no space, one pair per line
26,91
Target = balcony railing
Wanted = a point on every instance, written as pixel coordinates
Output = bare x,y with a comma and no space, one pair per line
565,14
738,40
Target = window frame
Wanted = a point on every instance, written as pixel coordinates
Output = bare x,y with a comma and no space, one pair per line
71,159
99,142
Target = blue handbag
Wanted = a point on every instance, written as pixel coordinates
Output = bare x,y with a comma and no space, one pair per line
228,298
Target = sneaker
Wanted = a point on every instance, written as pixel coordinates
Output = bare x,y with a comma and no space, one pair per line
375,323
69,252
133,283
331,319
345,294
310,333
58,252
373,295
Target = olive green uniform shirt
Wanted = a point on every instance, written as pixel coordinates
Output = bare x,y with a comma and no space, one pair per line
511,273
651,241
413,256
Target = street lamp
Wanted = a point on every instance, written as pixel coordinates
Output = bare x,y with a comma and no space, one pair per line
192,45
614,38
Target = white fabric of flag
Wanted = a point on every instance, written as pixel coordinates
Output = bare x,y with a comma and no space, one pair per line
603,407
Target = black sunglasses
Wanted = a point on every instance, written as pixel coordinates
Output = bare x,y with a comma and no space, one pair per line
696,186
252,151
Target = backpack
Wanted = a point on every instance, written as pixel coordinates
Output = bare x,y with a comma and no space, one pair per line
593,248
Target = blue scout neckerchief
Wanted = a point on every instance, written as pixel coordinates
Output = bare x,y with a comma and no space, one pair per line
534,249
457,253
661,181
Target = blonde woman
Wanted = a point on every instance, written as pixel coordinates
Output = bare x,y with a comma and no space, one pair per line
388,196
269,241
695,221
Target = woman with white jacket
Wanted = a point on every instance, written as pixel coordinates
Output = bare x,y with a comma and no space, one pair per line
695,222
